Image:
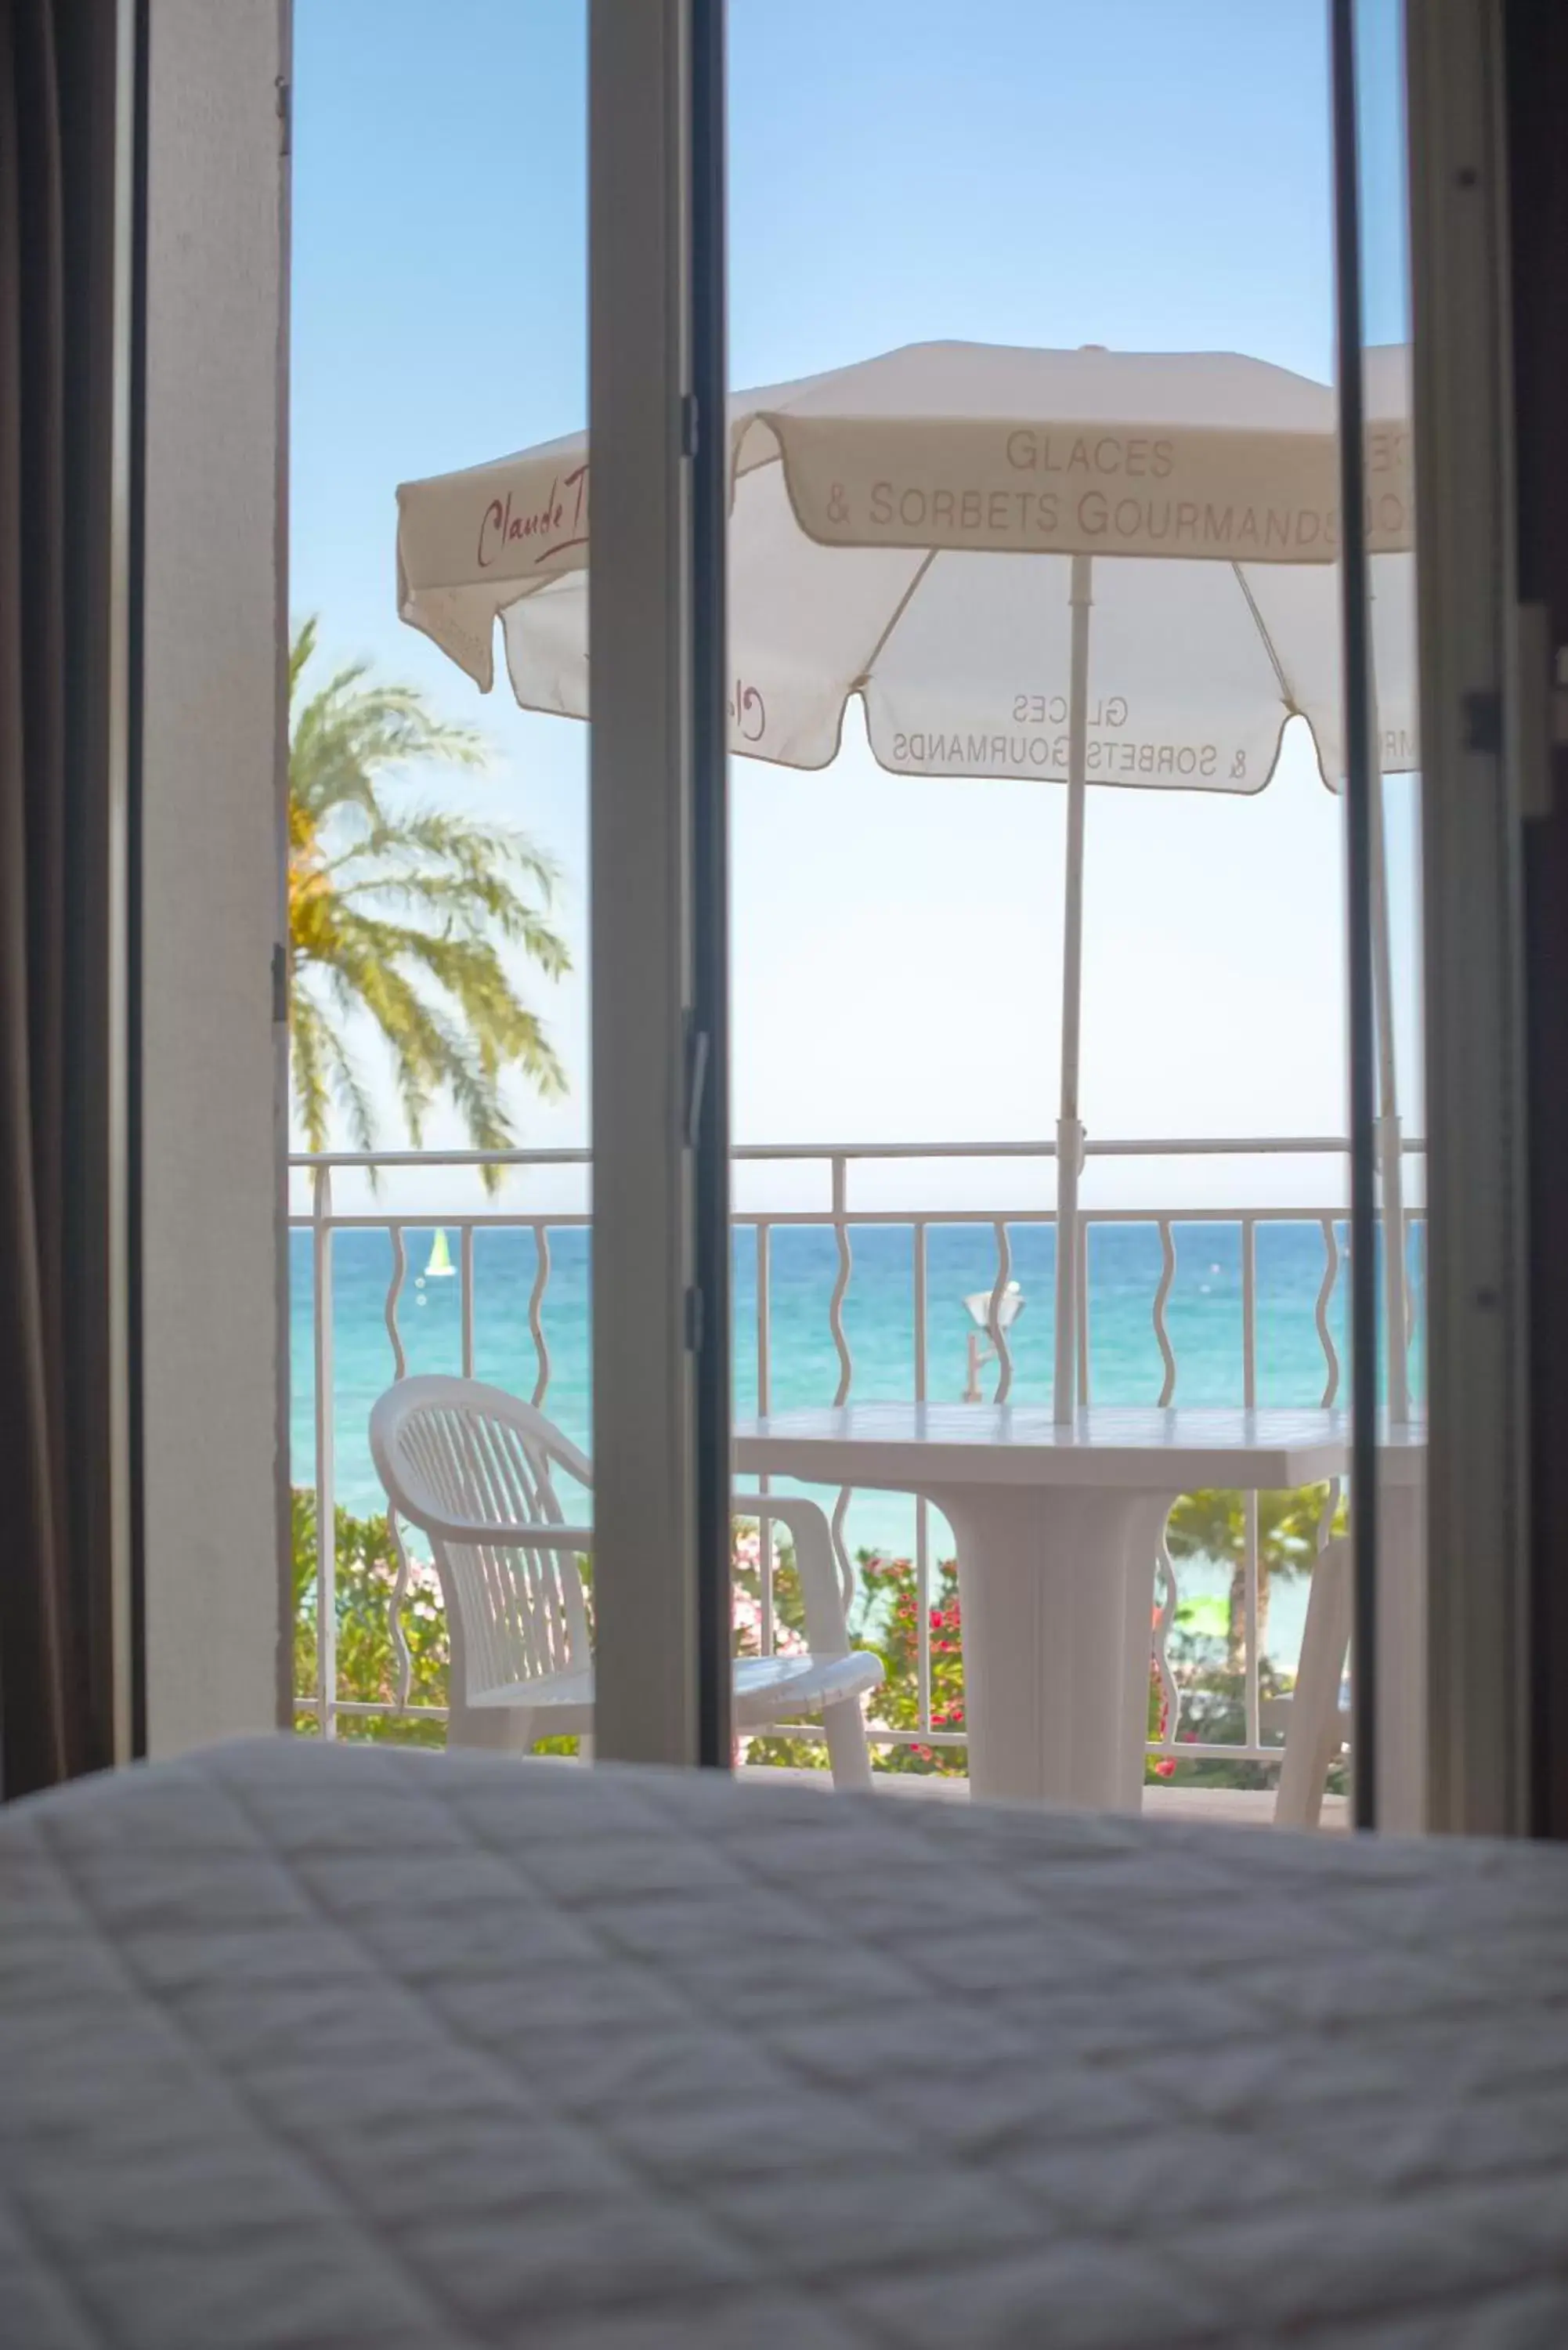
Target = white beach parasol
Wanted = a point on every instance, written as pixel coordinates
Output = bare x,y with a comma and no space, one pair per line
1188,502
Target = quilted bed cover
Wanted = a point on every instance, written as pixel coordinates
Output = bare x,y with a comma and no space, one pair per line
363,2049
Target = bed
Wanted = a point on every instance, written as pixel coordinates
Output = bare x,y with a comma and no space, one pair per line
360,2049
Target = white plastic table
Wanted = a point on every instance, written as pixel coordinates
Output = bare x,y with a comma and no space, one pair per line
1058,1532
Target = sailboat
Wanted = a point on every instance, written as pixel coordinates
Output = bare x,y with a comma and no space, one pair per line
441,1257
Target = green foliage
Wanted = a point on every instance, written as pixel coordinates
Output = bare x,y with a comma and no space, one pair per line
367,1661
884,1620
893,1629
365,1582
1210,1679
400,913
1213,1525
1206,1657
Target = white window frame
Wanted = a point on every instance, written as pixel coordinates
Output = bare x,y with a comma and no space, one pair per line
1479,1676
657,980
214,781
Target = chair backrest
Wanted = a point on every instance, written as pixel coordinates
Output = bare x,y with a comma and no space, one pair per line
449,1449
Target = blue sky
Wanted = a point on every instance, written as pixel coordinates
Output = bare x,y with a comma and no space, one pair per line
1148,175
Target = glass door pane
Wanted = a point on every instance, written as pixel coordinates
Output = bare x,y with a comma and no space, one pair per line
1038,858
439,1203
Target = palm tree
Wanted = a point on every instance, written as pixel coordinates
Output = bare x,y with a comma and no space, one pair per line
1213,1525
402,913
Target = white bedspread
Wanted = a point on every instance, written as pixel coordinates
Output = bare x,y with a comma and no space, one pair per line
363,2050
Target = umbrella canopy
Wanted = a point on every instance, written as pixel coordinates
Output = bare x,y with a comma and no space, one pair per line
867,503
931,530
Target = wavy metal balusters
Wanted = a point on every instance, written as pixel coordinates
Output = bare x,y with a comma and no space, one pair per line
764,1244
395,1611
1166,1615
465,1296
1331,1259
841,1286
997,1335
1161,1297
399,1239
1165,1619
1165,1564
322,1701
1250,1313
1334,1258
325,1495
400,1592
1253,1693
920,1273
841,1551
537,1315
846,1360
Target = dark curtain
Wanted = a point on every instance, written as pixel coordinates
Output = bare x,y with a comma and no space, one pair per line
56,205
1537,99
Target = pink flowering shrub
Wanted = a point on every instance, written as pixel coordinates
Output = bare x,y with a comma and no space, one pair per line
788,1613
885,1618
367,1575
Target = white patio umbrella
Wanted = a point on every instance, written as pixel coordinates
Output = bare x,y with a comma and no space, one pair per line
932,530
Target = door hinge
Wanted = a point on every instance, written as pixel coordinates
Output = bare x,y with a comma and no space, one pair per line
279,985
284,117
693,1321
690,420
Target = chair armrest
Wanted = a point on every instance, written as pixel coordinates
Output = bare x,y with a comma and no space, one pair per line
504,1533
827,1602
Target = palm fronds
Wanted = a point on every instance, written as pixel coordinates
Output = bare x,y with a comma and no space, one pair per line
400,913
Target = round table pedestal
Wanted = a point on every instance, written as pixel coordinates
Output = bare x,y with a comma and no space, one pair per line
1057,1592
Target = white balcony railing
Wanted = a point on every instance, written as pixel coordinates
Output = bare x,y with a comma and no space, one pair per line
325,1705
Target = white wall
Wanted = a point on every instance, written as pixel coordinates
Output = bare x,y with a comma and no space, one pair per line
211,760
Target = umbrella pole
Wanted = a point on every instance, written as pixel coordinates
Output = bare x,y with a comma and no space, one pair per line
1069,1128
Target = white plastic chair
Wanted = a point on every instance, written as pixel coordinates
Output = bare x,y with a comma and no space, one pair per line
472,1467
1314,1726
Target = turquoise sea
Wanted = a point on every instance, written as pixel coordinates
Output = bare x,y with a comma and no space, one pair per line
1203,1316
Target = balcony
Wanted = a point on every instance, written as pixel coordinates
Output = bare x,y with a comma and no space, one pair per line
883,1271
